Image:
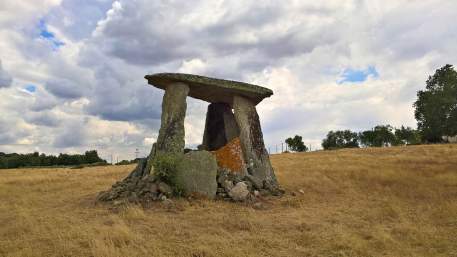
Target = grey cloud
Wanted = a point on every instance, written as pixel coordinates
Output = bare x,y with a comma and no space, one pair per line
142,33
132,101
77,19
11,136
65,88
47,119
408,32
5,77
73,134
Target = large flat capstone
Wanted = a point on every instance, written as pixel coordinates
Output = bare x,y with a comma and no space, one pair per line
211,89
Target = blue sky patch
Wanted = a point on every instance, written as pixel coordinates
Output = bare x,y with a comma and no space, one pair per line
355,76
46,34
30,88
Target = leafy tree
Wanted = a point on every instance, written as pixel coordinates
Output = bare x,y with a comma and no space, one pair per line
296,144
407,136
436,106
92,157
341,139
381,135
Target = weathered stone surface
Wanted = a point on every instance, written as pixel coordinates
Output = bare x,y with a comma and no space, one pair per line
228,185
140,169
171,133
230,157
165,189
255,155
196,174
220,126
239,192
211,89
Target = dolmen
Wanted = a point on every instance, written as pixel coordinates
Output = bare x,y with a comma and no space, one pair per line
231,163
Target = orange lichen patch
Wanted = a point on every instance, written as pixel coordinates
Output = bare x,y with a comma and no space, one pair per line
230,156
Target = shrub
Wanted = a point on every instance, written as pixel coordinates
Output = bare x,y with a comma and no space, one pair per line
165,166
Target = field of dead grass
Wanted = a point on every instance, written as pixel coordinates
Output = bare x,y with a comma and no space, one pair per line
398,202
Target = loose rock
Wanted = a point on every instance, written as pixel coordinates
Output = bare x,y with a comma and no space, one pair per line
240,192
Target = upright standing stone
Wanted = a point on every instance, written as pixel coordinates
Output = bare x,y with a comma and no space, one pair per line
256,156
220,126
171,133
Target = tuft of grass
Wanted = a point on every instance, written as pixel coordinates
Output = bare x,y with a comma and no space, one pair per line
399,201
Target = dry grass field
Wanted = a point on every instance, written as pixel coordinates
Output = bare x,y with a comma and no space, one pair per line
399,201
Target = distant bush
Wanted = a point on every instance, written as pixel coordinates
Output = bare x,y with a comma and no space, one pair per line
341,139
15,160
296,144
379,136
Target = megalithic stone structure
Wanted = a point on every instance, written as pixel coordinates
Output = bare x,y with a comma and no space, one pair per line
223,125
232,151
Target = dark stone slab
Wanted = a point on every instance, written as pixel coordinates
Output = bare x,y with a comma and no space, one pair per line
211,89
220,126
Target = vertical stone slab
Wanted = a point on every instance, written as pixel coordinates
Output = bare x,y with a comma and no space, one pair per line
220,126
171,133
254,152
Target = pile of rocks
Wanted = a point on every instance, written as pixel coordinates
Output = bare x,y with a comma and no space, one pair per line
235,187
135,189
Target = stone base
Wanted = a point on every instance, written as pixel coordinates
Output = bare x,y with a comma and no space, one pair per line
135,189
237,187
231,186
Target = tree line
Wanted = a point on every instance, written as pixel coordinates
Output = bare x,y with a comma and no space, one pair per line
435,111
15,160
379,136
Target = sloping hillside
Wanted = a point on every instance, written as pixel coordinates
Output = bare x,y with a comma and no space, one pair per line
399,201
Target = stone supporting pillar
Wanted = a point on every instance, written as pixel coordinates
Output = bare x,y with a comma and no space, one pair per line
171,133
255,155
220,126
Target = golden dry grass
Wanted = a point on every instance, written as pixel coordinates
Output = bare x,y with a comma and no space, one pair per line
398,201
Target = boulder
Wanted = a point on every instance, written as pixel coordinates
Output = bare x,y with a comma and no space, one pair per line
196,174
165,189
239,192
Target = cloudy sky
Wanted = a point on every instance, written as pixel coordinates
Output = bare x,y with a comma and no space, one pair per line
71,72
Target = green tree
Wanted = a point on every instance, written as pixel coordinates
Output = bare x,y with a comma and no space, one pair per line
296,144
436,106
407,136
92,157
340,139
381,135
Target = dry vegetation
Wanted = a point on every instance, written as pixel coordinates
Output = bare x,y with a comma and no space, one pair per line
399,201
